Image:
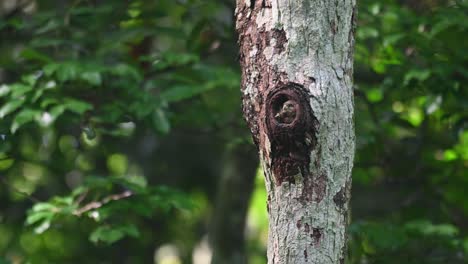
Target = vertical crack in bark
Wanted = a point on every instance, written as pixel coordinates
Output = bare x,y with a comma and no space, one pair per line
266,3
280,36
252,4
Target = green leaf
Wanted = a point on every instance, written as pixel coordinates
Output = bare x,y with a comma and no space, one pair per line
415,116
416,74
23,117
67,71
55,112
367,32
18,89
48,101
182,92
392,39
52,25
425,227
126,70
31,79
450,155
441,26
374,95
37,95
42,227
43,207
117,163
34,55
63,201
110,234
93,78
10,107
134,13
4,90
375,9
6,163
39,216
50,69
160,121
76,106
169,59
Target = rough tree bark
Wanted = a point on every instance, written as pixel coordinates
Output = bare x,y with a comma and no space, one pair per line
297,62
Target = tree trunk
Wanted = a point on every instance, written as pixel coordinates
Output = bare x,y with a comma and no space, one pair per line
232,201
296,59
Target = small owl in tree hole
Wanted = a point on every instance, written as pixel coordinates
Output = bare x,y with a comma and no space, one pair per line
287,113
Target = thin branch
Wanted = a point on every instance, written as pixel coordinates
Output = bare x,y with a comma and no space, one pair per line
97,204
82,197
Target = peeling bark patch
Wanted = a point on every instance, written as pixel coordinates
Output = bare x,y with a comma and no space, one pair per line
280,36
316,236
340,198
314,233
314,188
320,187
291,127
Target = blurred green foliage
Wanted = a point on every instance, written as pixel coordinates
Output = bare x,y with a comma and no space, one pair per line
411,168
90,93
114,115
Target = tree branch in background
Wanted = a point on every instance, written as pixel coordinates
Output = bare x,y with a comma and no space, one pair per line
229,217
97,204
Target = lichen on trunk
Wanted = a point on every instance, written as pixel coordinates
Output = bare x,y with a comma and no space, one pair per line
296,60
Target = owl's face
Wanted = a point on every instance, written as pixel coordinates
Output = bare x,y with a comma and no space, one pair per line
287,112
288,107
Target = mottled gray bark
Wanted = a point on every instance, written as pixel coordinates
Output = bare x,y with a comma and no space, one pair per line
297,62
229,217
